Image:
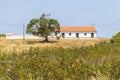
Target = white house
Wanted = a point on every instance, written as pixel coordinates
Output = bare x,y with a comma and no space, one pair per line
74,32
78,32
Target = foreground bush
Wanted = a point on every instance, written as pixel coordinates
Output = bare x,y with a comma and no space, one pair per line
99,62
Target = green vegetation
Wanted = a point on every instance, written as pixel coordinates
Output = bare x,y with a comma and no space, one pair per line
99,62
2,35
116,38
43,26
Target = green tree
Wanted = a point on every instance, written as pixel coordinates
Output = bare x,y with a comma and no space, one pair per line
116,38
43,26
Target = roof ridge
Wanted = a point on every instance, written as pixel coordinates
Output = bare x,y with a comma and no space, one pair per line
74,28
79,26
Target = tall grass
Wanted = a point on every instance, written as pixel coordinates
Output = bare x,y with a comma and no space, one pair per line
99,62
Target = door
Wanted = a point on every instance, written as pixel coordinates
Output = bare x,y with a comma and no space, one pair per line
63,35
77,35
92,35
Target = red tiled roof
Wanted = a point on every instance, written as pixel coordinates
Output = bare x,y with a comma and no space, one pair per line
78,29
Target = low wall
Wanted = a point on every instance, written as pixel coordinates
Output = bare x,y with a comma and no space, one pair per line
21,37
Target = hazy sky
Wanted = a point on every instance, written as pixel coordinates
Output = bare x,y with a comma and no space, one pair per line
103,14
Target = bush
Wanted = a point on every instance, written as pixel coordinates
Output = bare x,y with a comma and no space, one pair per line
116,38
2,35
58,37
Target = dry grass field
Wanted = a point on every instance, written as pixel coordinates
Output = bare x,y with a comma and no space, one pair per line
18,45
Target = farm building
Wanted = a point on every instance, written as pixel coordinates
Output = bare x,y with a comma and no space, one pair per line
65,32
78,32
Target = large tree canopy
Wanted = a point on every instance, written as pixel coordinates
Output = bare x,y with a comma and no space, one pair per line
43,26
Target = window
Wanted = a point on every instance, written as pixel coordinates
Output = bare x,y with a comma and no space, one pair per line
85,34
69,34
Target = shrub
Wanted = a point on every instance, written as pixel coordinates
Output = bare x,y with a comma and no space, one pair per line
58,37
116,38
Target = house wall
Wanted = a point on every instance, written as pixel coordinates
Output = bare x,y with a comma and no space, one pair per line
81,34
73,35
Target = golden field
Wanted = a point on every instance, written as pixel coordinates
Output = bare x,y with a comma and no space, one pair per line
18,45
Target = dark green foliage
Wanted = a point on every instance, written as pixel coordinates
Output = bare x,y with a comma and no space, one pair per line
116,38
43,26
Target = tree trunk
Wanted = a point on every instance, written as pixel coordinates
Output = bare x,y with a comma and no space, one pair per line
46,39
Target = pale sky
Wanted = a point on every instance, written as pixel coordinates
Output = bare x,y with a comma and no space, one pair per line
103,14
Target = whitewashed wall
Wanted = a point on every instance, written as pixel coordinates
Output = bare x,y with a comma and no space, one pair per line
27,36
81,34
21,37
73,35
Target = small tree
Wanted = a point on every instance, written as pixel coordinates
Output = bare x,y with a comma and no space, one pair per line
43,26
116,38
